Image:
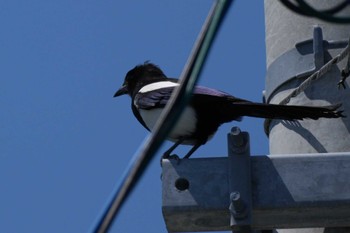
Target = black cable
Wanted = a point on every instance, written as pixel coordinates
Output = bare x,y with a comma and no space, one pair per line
293,7
321,14
303,8
168,118
337,8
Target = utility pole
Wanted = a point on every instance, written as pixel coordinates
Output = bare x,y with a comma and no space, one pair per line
303,185
296,47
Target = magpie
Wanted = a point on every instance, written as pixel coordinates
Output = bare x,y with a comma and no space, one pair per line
150,90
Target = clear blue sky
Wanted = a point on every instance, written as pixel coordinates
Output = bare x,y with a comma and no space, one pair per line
65,141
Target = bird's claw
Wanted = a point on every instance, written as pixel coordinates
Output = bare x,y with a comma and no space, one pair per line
341,84
345,75
173,157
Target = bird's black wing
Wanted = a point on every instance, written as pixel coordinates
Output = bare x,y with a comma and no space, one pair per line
160,97
150,100
153,99
216,105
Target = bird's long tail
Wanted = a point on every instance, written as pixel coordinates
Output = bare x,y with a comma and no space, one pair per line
286,112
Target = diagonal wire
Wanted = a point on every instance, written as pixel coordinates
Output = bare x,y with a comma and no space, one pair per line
168,118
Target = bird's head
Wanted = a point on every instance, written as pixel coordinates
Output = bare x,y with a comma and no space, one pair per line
138,77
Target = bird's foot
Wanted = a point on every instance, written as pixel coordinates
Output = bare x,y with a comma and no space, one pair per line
174,156
167,156
345,74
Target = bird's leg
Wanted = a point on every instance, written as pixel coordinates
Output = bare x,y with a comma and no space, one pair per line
167,153
193,149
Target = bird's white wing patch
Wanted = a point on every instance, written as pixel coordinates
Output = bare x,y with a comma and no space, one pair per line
157,85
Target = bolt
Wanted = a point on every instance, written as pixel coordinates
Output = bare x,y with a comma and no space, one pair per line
237,206
237,137
237,201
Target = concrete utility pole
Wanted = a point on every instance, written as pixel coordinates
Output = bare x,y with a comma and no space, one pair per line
305,180
297,46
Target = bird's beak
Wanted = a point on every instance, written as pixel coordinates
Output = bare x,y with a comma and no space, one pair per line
122,91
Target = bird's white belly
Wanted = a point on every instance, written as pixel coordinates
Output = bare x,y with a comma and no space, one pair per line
185,125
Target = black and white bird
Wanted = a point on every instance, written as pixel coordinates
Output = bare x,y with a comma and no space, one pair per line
150,90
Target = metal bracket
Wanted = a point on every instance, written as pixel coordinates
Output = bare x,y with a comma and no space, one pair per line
298,63
294,66
239,180
244,193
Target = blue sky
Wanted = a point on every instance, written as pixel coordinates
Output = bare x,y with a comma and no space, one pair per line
65,141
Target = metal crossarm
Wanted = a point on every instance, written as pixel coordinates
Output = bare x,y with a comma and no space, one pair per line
287,191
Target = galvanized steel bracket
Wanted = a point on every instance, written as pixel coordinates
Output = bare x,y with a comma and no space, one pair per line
243,192
239,176
300,62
